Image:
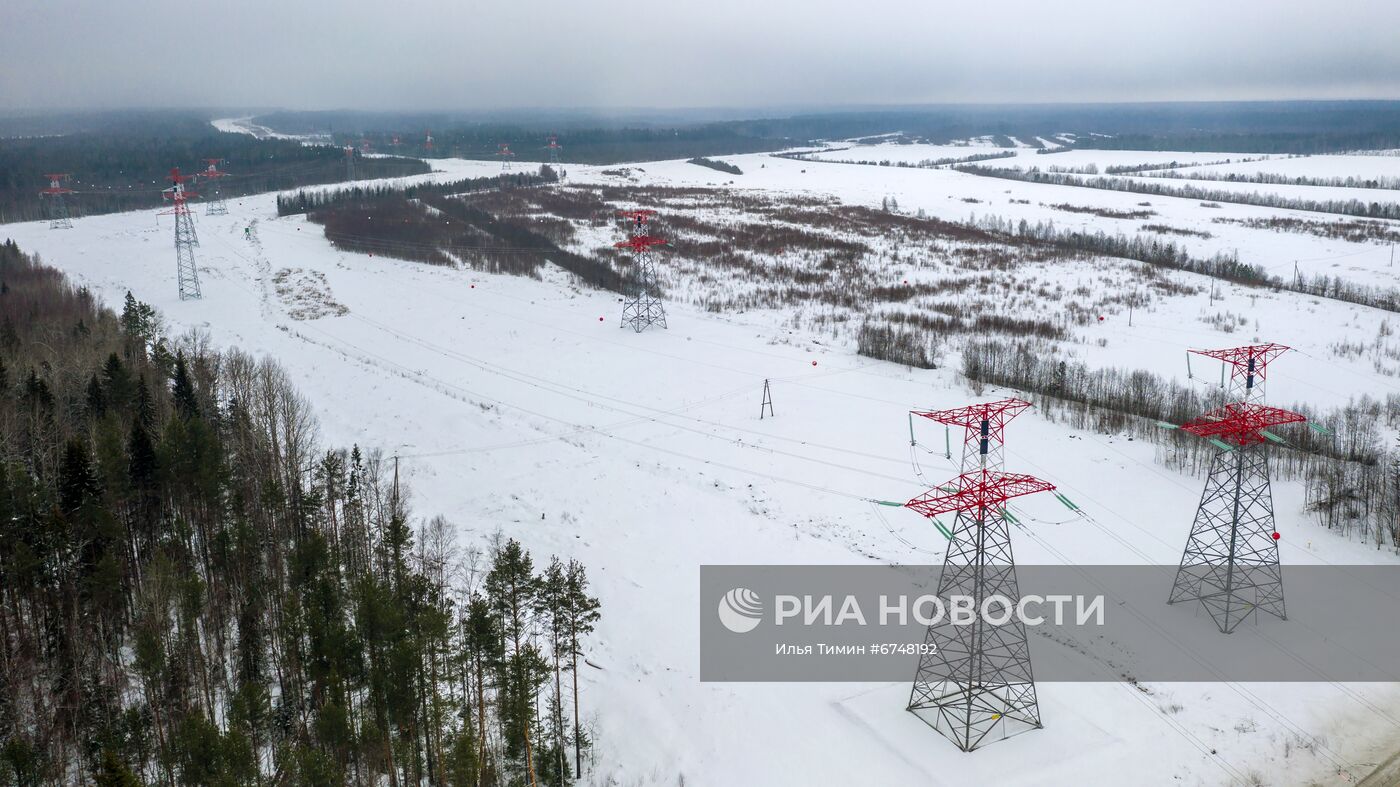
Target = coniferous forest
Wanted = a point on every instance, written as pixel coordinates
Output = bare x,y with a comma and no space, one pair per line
195,591
122,163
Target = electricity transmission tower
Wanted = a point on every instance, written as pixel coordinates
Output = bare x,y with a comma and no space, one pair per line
1230,564
428,142
503,150
977,681
58,207
349,162
185,237
216,205
554,150
642,307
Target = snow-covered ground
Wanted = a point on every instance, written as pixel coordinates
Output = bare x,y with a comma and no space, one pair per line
958,196
909,154
245,125
520,405
1339,166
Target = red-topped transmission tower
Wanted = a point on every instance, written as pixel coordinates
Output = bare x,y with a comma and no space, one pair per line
428,142
396,141
1230,564
185,237
365,147
642,307
506,155
216,205
977,680
1248,367
58,207
555,150
349,162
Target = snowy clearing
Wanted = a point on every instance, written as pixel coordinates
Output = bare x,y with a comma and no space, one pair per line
519,405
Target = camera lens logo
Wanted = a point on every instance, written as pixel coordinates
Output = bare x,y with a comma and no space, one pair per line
740,610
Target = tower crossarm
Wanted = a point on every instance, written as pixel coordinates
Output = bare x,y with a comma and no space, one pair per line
997,413
56,185
977,490
1241,357
1248,366
983,427
640,243
1241,423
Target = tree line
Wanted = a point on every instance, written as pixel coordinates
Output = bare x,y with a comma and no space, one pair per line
583,142
304,201
124,166
195,591
715,164
442,226
929,163
1165,253
1346,207
1279,179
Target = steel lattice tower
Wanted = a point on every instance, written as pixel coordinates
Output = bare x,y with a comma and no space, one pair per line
978,680
642,307
216,205
349,162
503,150
554,151
428,142
185,237
58,207
1230,564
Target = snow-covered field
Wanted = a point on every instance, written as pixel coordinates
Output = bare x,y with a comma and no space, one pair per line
1354,166
520,405
909,154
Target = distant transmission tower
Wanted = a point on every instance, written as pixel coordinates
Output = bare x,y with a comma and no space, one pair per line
977,681
428,142
216,205
349,162
1230,564
365,147
642,308
58,207
503,150
555,149
185,237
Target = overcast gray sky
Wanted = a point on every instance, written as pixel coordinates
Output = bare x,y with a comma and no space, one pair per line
463,55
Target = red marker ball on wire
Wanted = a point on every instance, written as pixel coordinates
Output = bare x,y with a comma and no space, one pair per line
1277,536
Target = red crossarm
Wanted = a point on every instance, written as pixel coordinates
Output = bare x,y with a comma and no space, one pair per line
1241,423
639,243
980,489
1250,359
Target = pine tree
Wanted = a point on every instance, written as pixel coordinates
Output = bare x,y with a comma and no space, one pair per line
513,590
112,772
182,390
581,614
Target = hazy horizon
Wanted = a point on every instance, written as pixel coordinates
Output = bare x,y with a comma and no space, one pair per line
420,56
